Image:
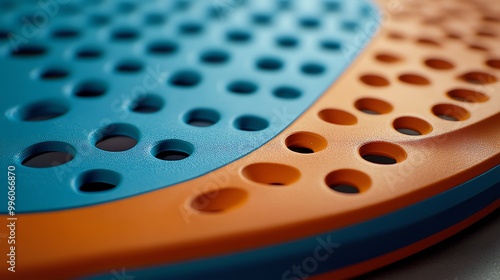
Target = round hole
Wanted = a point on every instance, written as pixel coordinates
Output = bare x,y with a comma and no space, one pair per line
242,87
154,19
312,68
28,50
162,47
373,106
480,78
271,174
350,25
99,180
331,45
117,137
125,34
395,36
412,126
99,20
309,22
374,80
486,33
147,104
262,19
305,143
428,42
215,57
382,153
90,88
190,28
287,41
251,123
54,73
185,78
126,7
339,117
202,117
220,200
286,92
331,5
414,79
478,47
40,111
467,95
129,66
348,181
387,58
239,36
47,154
439,64
269,64
88,53
493,63
65,33
4,34
173,150
450,112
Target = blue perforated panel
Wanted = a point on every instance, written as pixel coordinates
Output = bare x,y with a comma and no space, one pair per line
92,92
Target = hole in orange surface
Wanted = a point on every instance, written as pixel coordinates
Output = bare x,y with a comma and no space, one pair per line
271,174
414,79
467,95
305,142
476,77
450,112
411,126
382,153
219,200
439,64
336,116
373,106
374,80
348,181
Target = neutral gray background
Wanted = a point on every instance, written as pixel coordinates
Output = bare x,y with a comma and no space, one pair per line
474,254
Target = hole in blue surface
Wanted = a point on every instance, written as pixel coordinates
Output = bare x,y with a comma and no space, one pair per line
90,88
309,22
269,64
154,19
54,73
287,92
331,45
332,6
125,7
116,137
185,78
240,36
40,111
350,25
129,66
313,68
190,28
173,150
242,87
88,52
100,180
124,34
147,104
251,123
28,50
65,33
262,18
162,47
287,41
99,20
47,154
215,56
202,117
